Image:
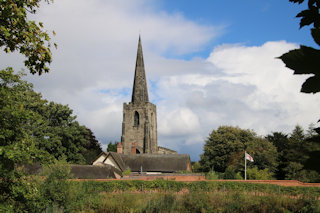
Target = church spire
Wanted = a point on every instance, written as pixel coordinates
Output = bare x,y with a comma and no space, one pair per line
140,90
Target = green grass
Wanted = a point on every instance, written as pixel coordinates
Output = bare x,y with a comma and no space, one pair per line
171,196
201,186
167,196
196,202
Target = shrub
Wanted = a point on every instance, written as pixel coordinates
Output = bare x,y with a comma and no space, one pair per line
196,167
56,189
231,174
24,196
256,174
212,175
127,172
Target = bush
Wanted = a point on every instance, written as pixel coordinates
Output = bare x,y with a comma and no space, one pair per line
196,167
127,172
24,196
256,174
231,174
212,175
56,189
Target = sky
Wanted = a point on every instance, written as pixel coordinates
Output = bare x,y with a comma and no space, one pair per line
208,63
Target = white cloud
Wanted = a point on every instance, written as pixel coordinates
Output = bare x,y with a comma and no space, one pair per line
95,59
180,121
93,72
254,91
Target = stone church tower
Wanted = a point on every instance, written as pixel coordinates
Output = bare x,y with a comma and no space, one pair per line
139,126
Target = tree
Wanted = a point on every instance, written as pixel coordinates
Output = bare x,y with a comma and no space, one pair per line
93,149
18,145
313,149
112,147
65,137
33,130
306,60
298,155
311,155
18,33
311,131
51,127
265,154
224,148
294,156
281,142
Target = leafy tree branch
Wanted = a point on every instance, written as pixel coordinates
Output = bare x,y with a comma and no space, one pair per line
18,33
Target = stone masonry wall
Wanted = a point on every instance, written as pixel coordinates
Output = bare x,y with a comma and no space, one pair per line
144,134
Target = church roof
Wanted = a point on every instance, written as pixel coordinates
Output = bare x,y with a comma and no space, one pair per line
140,90
152,162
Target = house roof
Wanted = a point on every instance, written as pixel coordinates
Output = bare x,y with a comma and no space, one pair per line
94,172
102,153
152,162
117,158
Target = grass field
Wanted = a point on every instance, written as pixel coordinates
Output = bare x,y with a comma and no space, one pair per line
197,202
203,196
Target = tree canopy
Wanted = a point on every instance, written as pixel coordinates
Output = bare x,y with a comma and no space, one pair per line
31,129
293,156
35,130
18,33
112,147
306,60
225,147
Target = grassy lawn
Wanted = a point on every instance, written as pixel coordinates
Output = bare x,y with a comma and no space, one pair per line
171,196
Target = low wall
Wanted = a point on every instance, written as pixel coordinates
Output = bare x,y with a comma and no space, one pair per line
192,178
183,177
276,182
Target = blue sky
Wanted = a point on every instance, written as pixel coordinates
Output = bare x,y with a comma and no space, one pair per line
251,22
208,63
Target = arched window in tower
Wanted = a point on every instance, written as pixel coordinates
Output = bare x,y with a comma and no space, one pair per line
136,120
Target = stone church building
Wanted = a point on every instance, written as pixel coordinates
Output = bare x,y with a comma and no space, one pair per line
139,126
138,150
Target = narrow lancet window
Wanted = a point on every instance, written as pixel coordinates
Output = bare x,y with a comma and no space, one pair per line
136,119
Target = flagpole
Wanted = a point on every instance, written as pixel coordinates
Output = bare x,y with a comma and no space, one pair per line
245,166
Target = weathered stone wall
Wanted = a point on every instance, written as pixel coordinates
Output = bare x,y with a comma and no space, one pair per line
144,131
